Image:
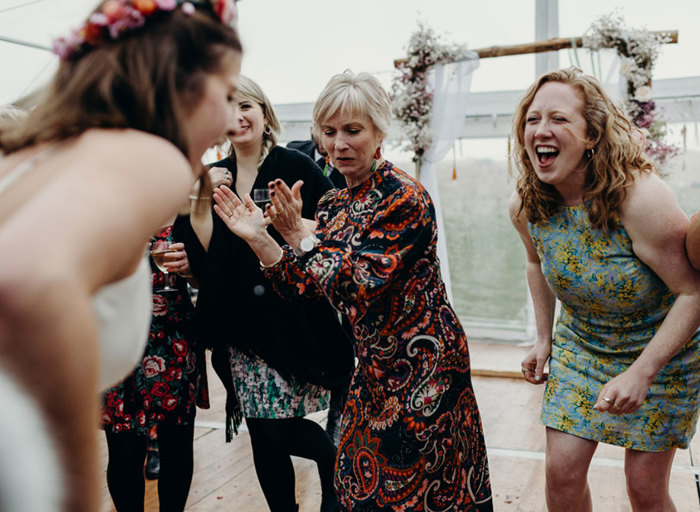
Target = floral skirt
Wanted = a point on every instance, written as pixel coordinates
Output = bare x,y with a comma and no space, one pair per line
263,393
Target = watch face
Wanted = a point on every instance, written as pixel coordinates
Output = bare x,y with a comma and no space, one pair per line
306,244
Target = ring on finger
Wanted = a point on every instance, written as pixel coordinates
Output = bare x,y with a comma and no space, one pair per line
611,402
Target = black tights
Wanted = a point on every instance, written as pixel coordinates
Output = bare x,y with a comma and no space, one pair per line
274,441
127,454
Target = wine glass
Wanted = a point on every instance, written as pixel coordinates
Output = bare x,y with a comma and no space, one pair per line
261,197
159,249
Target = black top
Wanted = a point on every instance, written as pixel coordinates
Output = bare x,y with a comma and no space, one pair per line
305,146
238,306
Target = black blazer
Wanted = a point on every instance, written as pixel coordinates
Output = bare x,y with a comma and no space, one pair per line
238,306
309,148
305,146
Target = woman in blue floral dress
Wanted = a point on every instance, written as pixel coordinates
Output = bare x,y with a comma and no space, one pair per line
411,433
605,236
163,391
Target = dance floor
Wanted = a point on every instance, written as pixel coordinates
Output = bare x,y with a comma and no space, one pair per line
224,476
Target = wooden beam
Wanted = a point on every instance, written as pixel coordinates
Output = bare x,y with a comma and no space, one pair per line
549,45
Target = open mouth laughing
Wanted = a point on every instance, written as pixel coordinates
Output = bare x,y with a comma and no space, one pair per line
546,154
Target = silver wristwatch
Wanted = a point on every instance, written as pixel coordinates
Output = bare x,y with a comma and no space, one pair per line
305,245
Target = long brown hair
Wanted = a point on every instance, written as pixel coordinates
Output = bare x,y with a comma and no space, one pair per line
148,79
618,153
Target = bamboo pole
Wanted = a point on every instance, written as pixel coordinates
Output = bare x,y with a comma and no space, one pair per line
548,45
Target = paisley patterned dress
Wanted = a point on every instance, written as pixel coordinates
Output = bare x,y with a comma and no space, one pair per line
411,433
612,305
171,379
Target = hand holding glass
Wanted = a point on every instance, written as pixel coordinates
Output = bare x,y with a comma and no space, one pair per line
159,249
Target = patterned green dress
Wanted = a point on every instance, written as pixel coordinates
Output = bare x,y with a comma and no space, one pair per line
264,393
612,305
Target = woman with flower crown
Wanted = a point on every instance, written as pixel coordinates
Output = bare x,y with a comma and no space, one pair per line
108,155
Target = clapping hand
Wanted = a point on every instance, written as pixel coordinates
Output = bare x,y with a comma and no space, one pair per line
285,208
243,218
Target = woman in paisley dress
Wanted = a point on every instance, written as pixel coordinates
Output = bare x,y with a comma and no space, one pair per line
604,235
162,392
411,432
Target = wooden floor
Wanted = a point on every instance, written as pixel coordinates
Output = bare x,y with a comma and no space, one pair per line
224,477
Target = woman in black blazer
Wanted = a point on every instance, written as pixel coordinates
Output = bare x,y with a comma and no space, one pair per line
274,375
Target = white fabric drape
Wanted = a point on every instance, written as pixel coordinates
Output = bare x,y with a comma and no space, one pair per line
604,64
451,85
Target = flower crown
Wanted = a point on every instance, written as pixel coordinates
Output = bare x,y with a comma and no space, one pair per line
119,16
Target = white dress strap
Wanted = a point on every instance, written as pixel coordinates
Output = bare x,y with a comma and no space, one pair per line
24,167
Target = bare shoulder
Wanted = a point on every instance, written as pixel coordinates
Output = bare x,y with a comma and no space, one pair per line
132,149
515,211
648,194
651,214
514,202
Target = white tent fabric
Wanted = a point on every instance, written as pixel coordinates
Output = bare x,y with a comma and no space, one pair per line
451,85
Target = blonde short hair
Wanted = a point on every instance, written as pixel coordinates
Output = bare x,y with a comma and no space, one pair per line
351,93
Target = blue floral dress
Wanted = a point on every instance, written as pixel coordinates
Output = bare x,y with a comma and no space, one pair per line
411,432
612,305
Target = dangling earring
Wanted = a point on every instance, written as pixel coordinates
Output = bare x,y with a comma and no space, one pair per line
377,156
268,130
589,153
327,167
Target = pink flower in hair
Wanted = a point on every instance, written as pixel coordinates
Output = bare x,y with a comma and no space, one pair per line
114,10
99,19
63,47
188,8
166,5
119,16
